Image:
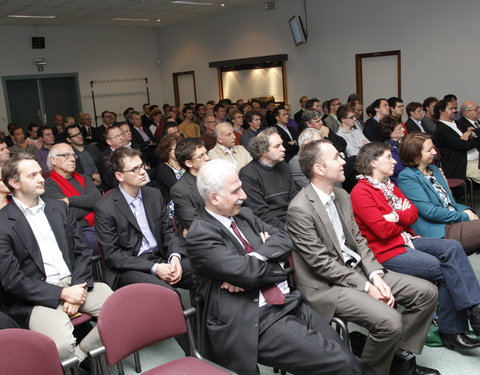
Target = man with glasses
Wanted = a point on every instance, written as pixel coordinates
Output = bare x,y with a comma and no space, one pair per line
115,139
237,122
354,137
138,241
191,155
75,189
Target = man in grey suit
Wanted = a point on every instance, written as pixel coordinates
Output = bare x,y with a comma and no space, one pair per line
338,274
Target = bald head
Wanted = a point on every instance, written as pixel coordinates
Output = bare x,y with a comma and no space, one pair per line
469,109
225,135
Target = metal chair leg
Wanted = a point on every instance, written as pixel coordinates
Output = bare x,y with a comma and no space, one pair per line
138,366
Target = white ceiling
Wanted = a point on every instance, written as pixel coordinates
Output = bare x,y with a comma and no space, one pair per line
101,12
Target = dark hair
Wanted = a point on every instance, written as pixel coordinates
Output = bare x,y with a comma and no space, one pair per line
261,143
412,107
197,107
165,107
10,169
428,101
69,127
185,150
343,111
249,116
310,154
353,97
310,102
410,150
330,102
110,128
368,153
104,113
392,102
116,161
41,129
276,111
387,125
440,106
449,97
302,98
376,104
185,109
164,147
217,107
32,125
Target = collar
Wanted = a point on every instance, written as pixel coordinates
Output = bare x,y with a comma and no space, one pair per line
128,197
284,127
324,197
253,131
225,149
225,220
30,210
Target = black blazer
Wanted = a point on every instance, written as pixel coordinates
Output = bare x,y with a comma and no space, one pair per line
290,150
412,127
22,273
120,236
371,130
188,202
165,179
463,124
108,179
93,137
138,139
231,320
453,150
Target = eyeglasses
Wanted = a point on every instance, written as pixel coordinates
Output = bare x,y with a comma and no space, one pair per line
201,156
67,155
137,169
116,136
351,117
74,135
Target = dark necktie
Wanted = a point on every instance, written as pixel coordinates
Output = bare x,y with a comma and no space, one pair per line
273,295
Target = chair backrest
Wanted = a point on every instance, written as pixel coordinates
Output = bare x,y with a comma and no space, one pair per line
137,316
28,352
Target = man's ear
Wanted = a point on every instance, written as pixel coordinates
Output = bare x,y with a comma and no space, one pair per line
319,169
13,183
119,176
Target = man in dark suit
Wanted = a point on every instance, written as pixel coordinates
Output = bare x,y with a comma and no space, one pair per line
469,111
289,135
191,155
298,115
134,230
379,109
455,146
115,139
415,114
45,270
338,274
250,313
88,131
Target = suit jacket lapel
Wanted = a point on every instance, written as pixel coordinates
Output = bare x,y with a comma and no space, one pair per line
149,208
125,209
226,232
346,230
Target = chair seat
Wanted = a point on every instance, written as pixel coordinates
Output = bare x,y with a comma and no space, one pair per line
81,319
455,182
186,366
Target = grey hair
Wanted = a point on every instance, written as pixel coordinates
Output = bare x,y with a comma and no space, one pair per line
211,176
310,114
52,153
216,133
261,143
308,135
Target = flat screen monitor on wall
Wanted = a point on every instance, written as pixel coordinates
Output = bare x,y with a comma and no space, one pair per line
298,32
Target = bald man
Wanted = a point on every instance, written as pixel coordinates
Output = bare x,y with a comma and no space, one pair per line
225,147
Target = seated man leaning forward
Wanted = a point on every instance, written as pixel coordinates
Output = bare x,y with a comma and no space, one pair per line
338,274
250,314
135,232
45,270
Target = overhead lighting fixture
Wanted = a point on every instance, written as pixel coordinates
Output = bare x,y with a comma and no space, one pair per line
30,16
131,19
190,2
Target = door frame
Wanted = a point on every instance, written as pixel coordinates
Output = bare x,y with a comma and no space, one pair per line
5,79
176,90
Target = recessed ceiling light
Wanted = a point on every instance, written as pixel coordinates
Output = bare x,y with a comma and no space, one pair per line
29,16
158,19
131,19
190,2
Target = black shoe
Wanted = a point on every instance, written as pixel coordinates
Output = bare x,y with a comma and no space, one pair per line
459,342
420,370
474,317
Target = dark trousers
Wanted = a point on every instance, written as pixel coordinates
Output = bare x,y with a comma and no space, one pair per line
7,322
445,262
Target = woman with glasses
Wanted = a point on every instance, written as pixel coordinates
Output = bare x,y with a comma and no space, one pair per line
384,216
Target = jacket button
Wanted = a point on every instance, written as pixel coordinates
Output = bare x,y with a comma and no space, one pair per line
43,279
255,300
255,325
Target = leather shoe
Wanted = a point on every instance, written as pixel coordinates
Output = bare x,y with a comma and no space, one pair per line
420,370
474,317
459,342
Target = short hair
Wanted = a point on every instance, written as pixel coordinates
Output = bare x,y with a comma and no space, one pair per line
354,97
392,102
249,116
116,161
16,127
164,147
41,129
310,102
331,101
169,125
52,153
276,111
134,113
310,154
376,104
464,108
368,153
70,127
302,98
427,102
412,107
411,148
261,143
110,128
165,107
211,176
32,125
154,113
449,97
104,113
217,107
310,115
387,125
440,106
68,118
197,107
185,150
343,111
308,135
187,108
10,169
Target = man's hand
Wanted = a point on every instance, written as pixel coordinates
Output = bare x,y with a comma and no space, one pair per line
384,290
70,308
75,294
164,272
176,269
231,288
264,236
471,214
466,136
325,131
65,200
96,179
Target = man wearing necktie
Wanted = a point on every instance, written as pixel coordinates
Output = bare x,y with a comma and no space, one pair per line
338,274
251,315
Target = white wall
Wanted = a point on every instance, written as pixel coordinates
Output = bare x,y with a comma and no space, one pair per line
438,40
92,52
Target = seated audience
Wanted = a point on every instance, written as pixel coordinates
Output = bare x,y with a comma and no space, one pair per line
187,127
458,148
254,121
415,115
298,115
396,109
391,131
439,215
33,136
226,148
115,139
45,274
338,274
75,189
347,130
269,116
267,180
208,138
45,134
289,135
357,106
156,123
220,112
378,110
90,134
384,216
169,170
428,120
277,329
469,111
20,142
237,122
307,136
331,120
191,154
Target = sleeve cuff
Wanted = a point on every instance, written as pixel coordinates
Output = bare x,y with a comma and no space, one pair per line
258,256
174,255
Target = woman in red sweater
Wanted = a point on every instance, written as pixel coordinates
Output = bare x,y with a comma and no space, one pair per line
384,216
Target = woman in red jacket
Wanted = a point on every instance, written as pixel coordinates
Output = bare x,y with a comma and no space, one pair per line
384,216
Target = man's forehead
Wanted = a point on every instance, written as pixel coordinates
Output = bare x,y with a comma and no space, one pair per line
28,166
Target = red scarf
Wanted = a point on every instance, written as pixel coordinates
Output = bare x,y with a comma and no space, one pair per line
69,190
